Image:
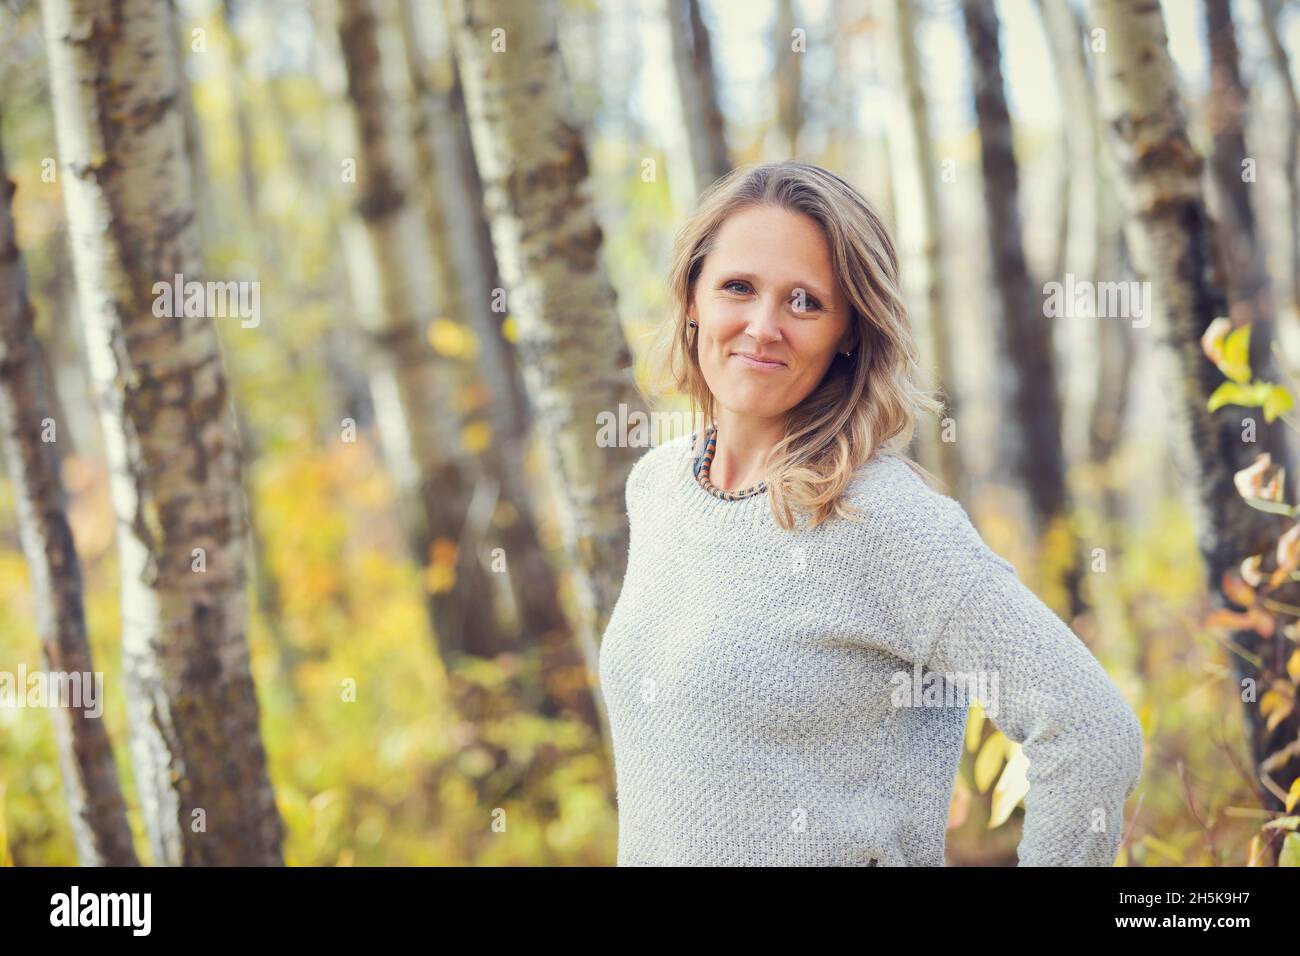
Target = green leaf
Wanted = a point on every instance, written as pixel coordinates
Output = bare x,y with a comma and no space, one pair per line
975,724
1290,855
1272,507
1236,355
1235,393
1277,402
1163,847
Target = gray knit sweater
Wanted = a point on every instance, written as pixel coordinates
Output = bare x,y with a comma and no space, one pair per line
772,698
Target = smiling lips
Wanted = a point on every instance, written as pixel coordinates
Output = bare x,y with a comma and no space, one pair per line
758,362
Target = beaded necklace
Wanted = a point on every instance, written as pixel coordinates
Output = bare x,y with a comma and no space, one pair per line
702,472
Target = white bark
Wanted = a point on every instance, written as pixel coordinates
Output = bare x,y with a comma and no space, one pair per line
1172,241
170,435
576,364
95,803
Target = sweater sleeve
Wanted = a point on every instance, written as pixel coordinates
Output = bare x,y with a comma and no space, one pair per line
1082,740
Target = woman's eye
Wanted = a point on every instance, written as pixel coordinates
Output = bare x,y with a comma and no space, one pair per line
809,304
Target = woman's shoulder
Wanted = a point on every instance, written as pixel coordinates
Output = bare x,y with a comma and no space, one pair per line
903,513
888,479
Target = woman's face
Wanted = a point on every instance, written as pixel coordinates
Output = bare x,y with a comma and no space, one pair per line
767,291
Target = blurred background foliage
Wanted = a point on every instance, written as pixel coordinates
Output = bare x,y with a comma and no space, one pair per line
400,774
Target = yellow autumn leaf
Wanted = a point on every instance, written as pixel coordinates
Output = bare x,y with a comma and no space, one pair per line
443,551
1276,706
1293,666
974,725
1160,846
452,339
509,330
1281,715
1235,363
989,761
1147,718
1278,401
1255,852
440,575
1011,787
476,437
439,579
1290,855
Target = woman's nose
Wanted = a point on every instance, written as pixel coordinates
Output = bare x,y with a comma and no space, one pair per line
764,322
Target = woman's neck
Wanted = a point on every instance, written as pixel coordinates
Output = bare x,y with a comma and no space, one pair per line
742,446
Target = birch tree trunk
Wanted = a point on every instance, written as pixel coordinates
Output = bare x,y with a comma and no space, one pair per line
1250,296
576,363
95,803
414,384
200,195
1027,332
200,768
351,389
265,585
1270,11
936,312
876,154
1102,258
238,93
1173,247
697,88
452,203
65,371
1248,285
1065,38
1093,249
842,93
788,77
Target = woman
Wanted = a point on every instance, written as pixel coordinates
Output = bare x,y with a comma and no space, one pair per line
795,590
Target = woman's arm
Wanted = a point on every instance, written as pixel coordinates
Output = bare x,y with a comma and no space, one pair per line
1083,741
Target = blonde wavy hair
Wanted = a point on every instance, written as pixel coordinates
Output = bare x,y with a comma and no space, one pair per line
868,400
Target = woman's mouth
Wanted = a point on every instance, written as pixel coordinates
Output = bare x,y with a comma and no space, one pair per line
755,362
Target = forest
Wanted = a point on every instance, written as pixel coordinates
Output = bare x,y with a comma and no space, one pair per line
329,338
